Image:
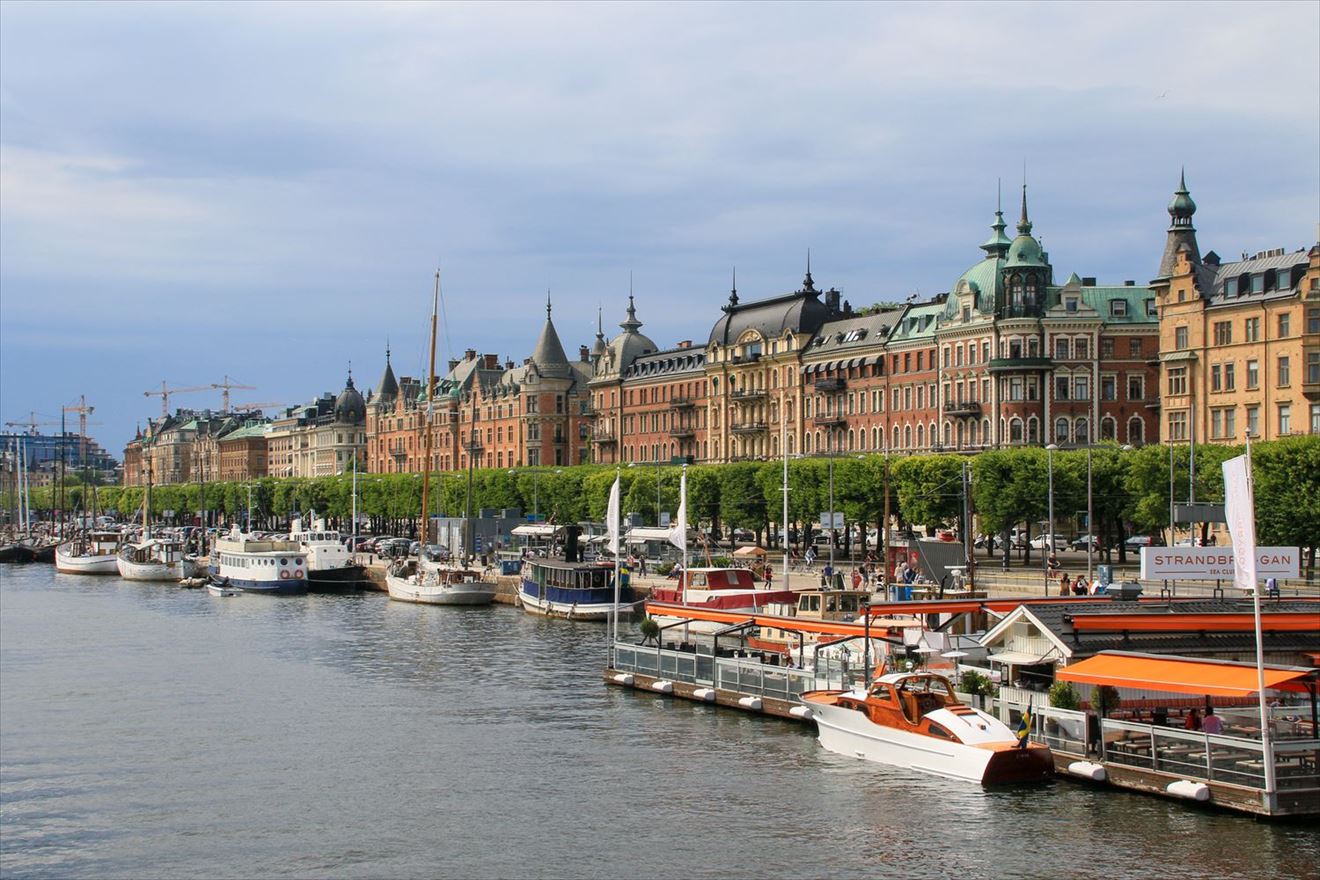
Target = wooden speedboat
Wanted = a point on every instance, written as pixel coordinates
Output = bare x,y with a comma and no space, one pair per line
913,720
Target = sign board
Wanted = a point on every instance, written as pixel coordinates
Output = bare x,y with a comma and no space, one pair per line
476,543
1198,513
1210,563
837,523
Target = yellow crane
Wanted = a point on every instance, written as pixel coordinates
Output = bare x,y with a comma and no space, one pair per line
165,392
83,411
228,385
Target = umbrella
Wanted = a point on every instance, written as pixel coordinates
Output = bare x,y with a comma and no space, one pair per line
954,655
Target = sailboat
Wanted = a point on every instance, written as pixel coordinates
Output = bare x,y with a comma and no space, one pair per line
421,579
153,559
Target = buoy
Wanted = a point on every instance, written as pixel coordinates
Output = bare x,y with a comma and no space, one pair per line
706,694
1193,791
297,574
753,703
284,575
664,687
624,678
801,712
1088,770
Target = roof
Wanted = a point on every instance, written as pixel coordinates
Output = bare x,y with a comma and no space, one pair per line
848,336
799,312
1185,675
549,354
667,363
918,322
1297,260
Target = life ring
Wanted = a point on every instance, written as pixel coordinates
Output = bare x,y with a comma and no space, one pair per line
297,574
284,575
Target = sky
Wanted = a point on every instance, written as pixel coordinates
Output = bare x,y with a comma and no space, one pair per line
265,191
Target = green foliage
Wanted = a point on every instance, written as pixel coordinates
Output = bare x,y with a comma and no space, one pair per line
929,488
1064,696
1104,699
978,685
650,630
742,501
1286,477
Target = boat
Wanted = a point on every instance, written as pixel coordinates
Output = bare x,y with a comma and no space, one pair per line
427,582
572,589
43,551
223,588
913,720
16,552
94,553
257,565
329,564
718,589
154,559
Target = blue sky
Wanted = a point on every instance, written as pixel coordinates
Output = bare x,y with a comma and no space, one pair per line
264,191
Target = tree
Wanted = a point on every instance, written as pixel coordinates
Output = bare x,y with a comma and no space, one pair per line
929,488
742,503
1286,477
1007,488
1064,696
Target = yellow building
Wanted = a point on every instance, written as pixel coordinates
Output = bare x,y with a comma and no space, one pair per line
1239,341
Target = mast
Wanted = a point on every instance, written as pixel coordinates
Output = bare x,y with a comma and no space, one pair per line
467,504
146,506
424,531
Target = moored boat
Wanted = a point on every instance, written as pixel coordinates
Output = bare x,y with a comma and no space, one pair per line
16,552
153,560
426,582
913,720
575,590
259,566
329,564
223,588
719,589
93,554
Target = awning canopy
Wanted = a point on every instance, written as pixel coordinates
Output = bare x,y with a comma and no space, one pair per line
1025,658
743,552
538,530
1183,675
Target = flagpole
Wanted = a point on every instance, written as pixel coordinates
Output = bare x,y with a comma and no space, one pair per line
683,522
783,447
612,511
1267,747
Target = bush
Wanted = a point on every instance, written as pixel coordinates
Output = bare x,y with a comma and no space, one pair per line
1104,699
650,630
1064,696
978,685
664,568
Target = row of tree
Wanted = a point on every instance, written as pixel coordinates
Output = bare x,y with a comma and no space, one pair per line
1130,492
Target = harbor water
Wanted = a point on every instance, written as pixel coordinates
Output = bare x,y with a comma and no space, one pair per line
152,731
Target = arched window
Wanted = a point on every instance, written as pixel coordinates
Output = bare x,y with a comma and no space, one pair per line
985,431
875,438
1082,431
1033,430
1136,431
851,440
1060,430
962,434
921,436
893,443
907,436
1015,430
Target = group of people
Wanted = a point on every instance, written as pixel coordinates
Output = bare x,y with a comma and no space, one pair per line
1078,586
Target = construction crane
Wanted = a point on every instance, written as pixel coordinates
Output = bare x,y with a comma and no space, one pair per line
229,384
31,424
164,395
261,404
83,411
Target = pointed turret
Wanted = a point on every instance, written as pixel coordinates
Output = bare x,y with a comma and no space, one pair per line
997,244
598,347
549,354
1024,250
388,388
1182,235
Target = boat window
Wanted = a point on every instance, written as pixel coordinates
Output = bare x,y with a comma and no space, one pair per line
699,579
813,603
299,560
830,602
284,562
881,692
940,731
849,603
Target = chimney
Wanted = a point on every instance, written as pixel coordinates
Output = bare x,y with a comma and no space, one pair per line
470,354
492,362
584,353
686,343
508,365
1129,283
832,300
452,363
1088,281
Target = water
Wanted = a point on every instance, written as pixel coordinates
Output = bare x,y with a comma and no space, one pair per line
150,731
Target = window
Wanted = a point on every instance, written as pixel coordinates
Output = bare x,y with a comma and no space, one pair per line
985,351
1061,431
1150,308
1230,423
1223,333
1015,388
1253,329
1081,388
1180,338
1216,378
1315,418
1061,349
1109,388
1285,374
1177,426
1285,325
1312,367
1106,348
946,357
1070,304
1134,348
1082,349
1253,374
1253,421
1178,381
1118,308
1313,320
1229,380
1061,388
1285,419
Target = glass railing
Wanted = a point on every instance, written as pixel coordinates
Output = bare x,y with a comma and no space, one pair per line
745,676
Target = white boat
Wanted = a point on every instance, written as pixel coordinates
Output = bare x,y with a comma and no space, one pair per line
429,583
719,589
153,560
223,589
93,554
913,720
258,566
329,564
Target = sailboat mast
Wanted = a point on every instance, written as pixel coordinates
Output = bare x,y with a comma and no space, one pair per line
424,532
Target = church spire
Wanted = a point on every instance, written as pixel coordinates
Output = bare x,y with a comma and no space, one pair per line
1024,223
1182,234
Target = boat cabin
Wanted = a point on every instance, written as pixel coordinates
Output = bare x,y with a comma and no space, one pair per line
905,699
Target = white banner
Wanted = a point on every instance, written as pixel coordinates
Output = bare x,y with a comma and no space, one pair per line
1240,514
1210,563
678,533
612,518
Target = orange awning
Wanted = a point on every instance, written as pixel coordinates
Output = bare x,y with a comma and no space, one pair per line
1183,675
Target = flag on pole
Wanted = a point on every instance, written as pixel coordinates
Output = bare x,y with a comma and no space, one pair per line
612,518
678,531
1240,512
1023,731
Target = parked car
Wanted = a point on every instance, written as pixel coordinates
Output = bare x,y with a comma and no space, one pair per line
1081,542
1136,542
393,547
1055,541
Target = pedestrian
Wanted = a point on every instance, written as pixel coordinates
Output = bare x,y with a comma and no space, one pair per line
1212,723
1063,584
1079,586
856,579
1193,721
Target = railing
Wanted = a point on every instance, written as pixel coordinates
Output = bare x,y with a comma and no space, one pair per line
1063,730
681,403
742,675
682,431
962,408
748,427
602,436
747,394
829,419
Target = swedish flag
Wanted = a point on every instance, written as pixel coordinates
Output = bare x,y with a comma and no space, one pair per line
1023,731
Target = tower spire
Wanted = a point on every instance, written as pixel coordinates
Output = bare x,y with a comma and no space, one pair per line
1024,224
733,292
547,303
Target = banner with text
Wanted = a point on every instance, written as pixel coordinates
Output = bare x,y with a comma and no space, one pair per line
1210,563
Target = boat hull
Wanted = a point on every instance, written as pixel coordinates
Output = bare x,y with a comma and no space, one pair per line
152,571
466,593
570,611
283,587
16,553
346,577
846,731
71,563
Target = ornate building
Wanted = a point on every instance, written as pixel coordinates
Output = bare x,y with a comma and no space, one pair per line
1239,342
320,438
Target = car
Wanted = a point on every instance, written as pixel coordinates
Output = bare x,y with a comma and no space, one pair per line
1055,541
393,547
1136,542
1081,542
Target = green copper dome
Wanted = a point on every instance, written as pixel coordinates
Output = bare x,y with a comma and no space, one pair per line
1182,206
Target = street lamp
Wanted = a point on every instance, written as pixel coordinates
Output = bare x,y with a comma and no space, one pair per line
1048,543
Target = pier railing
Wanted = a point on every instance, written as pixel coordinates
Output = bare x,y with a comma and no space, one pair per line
744,675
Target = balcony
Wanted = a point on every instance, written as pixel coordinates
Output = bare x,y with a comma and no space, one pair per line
743,395
681,403
748,428
1311,389
603,435
1008,364
590,412
831,385
828,419
683,432
957,408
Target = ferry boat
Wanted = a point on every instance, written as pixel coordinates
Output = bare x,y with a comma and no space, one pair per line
571,589
427,582
719,589
913,720
93,554
155,559
259,566
329,564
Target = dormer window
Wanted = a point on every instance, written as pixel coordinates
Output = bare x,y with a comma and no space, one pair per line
1118,308
1070,303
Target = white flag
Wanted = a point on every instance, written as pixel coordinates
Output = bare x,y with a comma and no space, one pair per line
1240,512
612,518
678,531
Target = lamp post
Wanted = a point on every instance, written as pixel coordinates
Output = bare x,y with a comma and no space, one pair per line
1047,545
